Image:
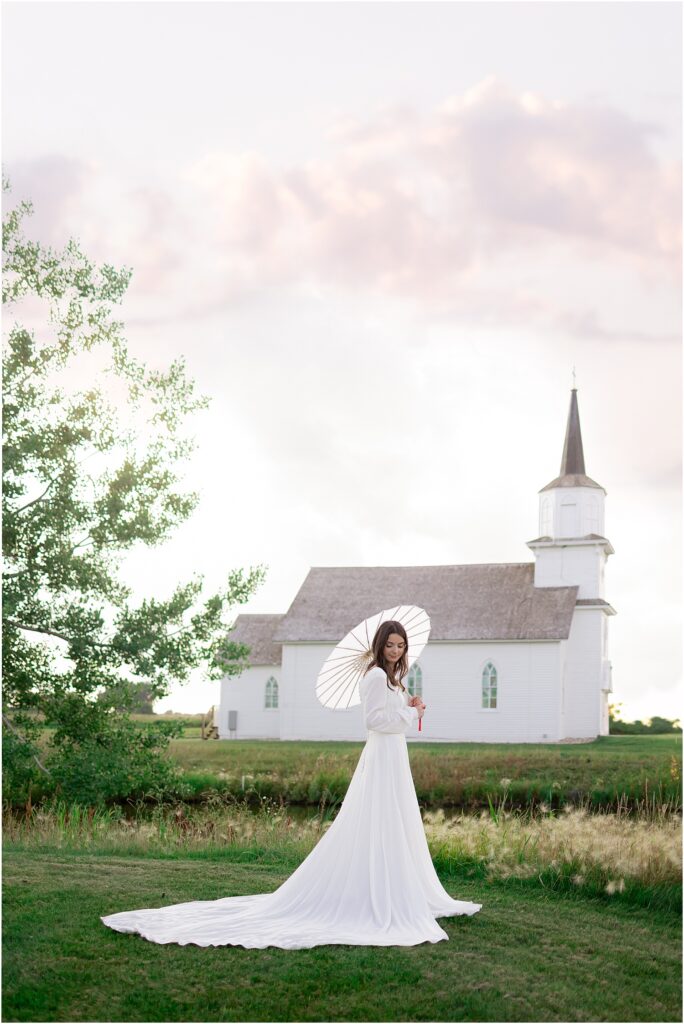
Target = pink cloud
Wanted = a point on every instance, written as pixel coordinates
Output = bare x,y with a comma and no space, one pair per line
420,206
408,204
567,170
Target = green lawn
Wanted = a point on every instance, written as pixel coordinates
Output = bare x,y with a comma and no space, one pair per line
530,954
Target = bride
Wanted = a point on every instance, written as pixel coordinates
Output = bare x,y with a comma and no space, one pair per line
369,881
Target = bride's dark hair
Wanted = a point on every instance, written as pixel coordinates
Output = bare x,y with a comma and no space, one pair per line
394,676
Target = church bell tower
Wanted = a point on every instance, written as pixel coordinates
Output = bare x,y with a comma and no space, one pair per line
571,548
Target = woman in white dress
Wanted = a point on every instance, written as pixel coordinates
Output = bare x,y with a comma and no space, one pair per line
369,881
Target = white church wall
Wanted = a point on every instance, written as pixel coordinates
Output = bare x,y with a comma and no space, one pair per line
246,694
569,566
571,512
528,692
528,699
302,715
584,714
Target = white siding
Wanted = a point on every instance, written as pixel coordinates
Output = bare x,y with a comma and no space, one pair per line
584,714
546,691
303,717
529,703
571,512
528,692
574,565
245,694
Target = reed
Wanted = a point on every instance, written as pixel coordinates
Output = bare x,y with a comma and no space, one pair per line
617,847
599,852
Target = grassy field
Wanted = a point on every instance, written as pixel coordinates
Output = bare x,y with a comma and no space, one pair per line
602,773
469,775
531,953
581,916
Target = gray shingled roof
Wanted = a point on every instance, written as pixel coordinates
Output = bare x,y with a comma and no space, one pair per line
572,480
491,601
257,631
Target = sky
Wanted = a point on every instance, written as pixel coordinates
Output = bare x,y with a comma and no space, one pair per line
382,235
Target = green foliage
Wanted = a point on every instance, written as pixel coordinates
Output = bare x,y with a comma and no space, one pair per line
654,726
142,699
628,771
88,473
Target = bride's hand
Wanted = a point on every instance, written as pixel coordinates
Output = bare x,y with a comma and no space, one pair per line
417,703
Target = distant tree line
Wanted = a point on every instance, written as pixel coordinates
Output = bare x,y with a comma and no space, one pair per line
652,725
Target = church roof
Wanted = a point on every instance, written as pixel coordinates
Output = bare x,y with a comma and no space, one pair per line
572,471
257,631
492,601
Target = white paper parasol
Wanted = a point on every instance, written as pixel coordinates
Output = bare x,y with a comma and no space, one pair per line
337,685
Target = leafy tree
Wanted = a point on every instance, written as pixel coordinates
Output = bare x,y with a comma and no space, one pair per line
654,725
83,483
658,724
141,702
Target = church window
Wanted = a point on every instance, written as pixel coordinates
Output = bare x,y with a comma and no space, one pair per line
271,699
415,681
489,687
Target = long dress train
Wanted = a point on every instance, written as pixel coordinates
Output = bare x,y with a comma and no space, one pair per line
369,881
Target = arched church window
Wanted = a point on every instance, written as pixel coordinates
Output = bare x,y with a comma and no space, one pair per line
489,686
414,683
271,697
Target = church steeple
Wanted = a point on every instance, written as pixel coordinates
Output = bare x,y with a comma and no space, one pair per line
571,551
571,546
573,453
572,471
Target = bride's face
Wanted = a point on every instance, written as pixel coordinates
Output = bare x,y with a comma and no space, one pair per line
394,648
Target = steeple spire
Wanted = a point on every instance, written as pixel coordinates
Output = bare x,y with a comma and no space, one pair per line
573,453
572,471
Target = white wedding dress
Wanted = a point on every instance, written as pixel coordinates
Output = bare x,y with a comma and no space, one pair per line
369,881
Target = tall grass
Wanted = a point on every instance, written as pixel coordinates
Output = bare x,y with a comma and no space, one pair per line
513,844
469,775
163,829
606,853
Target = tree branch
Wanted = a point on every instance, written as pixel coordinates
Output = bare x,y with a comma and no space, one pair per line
51,632
27,742
22,508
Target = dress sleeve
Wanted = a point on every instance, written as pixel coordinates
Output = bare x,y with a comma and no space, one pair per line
374,695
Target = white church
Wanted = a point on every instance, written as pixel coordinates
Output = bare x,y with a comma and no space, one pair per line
518,651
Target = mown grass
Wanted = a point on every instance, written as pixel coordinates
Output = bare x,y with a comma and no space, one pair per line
603,773
530,954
